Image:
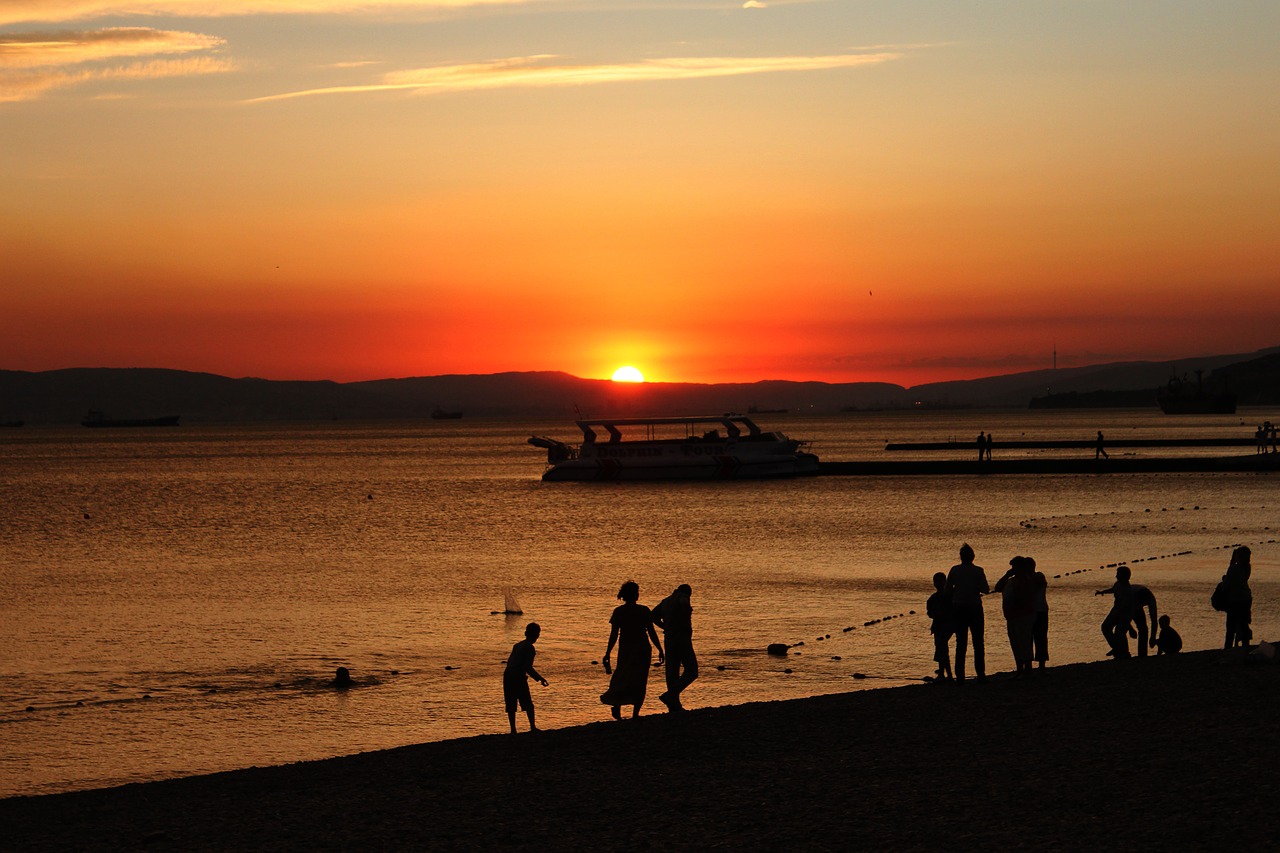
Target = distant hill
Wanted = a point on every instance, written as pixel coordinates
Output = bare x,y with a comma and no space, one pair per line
65,396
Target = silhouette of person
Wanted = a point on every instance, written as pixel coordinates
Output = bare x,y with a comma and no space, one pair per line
674,615
1239,599
990,441
1115,628
1168,641
342,678
938,609
631,629
1098,450
1040,627
982,446
1018,600
966,584
515,678
1260,437
1144,600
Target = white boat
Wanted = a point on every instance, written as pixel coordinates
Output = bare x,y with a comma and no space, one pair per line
717,447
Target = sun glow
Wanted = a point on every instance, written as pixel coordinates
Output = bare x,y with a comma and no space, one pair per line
627,374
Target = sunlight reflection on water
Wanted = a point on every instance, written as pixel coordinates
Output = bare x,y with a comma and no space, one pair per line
227,571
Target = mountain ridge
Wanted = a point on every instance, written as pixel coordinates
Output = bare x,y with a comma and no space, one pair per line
65,395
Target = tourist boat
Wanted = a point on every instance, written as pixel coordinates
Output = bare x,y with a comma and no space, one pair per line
1180,397
716,447
98,419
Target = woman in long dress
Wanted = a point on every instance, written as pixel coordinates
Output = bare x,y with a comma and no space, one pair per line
631,629
1239,599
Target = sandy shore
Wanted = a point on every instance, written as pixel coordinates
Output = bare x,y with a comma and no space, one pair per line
1161,753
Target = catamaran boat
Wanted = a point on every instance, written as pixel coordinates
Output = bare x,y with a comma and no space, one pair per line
717,447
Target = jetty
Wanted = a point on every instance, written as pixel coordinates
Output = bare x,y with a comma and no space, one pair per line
1018,456
970,446
1266,462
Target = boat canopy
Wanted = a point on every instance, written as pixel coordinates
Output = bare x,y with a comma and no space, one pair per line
733,425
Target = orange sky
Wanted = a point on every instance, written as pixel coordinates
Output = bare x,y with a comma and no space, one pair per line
840,191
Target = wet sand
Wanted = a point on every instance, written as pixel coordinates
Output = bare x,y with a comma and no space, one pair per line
1174,753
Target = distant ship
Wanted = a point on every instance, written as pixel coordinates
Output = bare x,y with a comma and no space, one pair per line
1180,397
753,409
98,419
742,451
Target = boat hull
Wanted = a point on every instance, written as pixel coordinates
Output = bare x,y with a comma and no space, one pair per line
114,423
720,467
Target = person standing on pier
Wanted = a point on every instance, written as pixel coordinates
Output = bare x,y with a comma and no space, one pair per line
1100,452
990,441
982,446
966,584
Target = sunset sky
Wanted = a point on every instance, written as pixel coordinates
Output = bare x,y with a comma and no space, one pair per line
836,190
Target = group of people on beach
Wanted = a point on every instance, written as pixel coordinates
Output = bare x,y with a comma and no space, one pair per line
1266,434
955,610
632,631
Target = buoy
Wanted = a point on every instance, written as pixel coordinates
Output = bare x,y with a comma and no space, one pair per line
835,657
777,649
720,668
787,671
858,675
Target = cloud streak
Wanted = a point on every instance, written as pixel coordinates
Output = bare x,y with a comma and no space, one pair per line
29,11
47,49
541,72
33,64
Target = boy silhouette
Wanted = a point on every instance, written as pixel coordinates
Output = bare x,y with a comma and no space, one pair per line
515,679
1168,642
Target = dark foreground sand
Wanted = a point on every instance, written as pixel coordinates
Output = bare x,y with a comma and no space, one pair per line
1154,754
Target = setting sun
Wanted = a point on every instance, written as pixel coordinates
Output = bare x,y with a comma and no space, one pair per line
627,374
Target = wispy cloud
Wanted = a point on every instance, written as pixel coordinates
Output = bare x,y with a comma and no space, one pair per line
32,64
42,50
541,71
29,11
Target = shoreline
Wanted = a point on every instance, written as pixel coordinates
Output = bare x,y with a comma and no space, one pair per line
1169,751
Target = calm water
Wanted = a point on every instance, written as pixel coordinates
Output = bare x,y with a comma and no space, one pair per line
172,601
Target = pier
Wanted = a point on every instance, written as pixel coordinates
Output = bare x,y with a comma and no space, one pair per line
970,446
1261,462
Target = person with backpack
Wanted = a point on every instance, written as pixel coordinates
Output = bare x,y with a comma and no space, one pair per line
1234,597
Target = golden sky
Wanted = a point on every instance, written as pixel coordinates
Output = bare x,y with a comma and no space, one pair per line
712,191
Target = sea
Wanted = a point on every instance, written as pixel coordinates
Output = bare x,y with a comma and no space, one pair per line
176,601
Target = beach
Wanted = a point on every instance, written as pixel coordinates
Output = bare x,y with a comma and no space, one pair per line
1172,752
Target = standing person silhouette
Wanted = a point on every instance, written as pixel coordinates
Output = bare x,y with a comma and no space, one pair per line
515,678
990,440
1098,450
674,615
1239,599
1040,627
966,584
1116,626
982,446
1017,588
938,609
631,629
